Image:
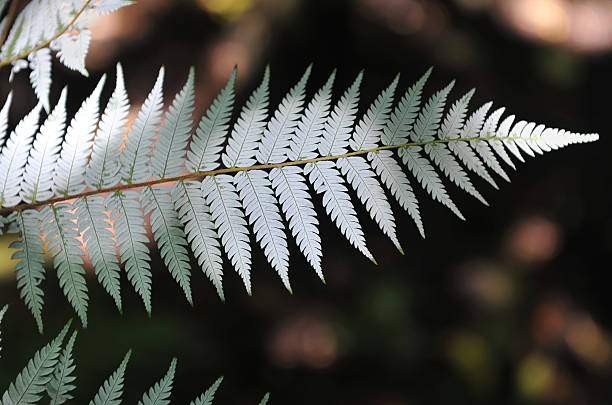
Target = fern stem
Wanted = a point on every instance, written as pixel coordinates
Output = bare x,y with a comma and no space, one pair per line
48,42
196,175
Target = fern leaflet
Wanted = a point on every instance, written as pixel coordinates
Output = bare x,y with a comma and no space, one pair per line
169,235
160,392
209,395
111,391
61,383
132,237
58,223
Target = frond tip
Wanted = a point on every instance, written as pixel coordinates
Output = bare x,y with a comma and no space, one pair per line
223,186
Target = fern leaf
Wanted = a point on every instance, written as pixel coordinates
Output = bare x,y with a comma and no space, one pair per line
169,235
535,139
423,131
207,397
292,192
104,7
131,236
14,156
454,120
525,133
265,399
552,139
339,125
327,180
443,158
29,268
400,123
135,160
489,128
242,144
498,145
40,75
58,224
363,180
2,312
513,133
62,381
37,181
304,143
488,157
482,148
427,176
356,169
50,8
261,207
207,142
462,150
387,168
169,152
69,176
266,163
111,391
31,381
103,168
12,46
73,49
99,244
194,213
276,137
160,392
368,132
4,117
226,210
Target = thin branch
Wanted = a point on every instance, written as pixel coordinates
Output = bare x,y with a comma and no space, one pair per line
188,176
9,21
48,42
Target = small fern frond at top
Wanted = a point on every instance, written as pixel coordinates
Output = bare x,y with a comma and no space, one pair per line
49,377
46,26
208,191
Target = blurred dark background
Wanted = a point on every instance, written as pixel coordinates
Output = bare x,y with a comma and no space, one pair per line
510,307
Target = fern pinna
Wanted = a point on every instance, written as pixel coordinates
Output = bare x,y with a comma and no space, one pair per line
87,184
46,26
50,376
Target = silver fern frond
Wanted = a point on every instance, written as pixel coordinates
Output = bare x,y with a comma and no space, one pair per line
50,376
208,192
30,384
46,26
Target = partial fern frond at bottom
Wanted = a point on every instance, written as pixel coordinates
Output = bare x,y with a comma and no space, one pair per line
50,377
235,182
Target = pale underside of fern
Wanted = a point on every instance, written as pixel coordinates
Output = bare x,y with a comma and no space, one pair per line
50,376
46,26
91,191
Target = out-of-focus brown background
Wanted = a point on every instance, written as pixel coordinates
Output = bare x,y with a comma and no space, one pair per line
512,306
